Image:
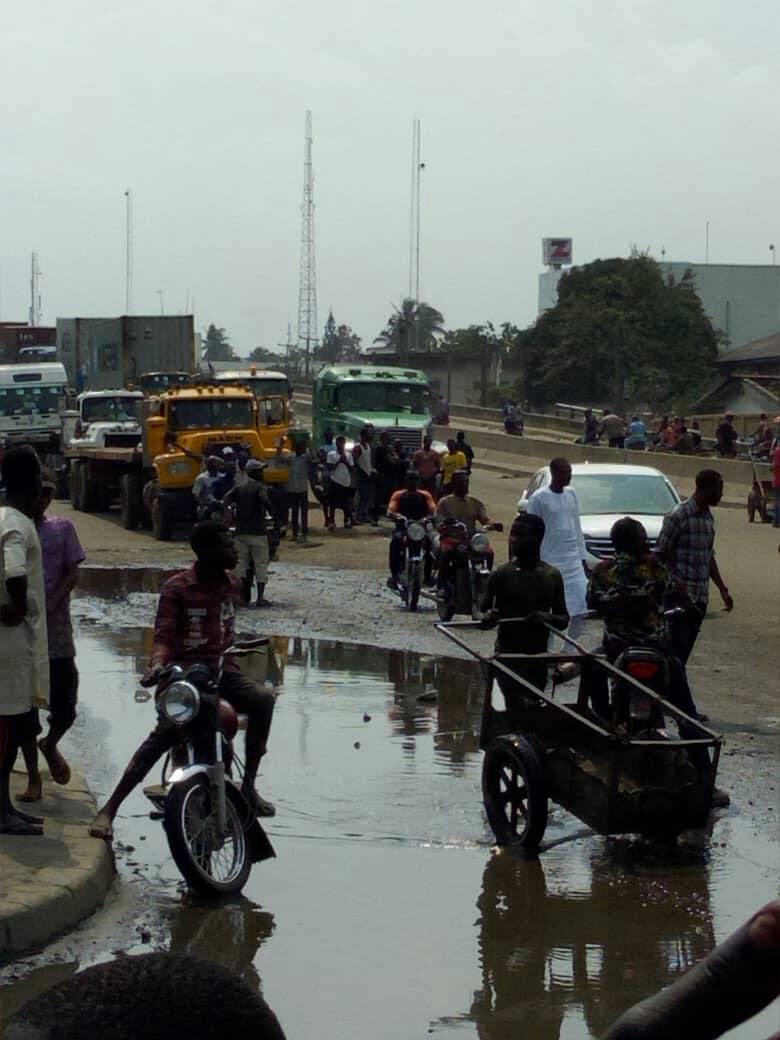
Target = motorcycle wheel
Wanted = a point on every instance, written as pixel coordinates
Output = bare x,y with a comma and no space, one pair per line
445,604
413,589
189,816
514,792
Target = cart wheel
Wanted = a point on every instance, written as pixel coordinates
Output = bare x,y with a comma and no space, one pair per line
514,792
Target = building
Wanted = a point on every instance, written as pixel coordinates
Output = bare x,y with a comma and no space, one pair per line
741,300
750,380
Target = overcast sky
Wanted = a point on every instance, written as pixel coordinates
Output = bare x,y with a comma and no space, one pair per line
614,123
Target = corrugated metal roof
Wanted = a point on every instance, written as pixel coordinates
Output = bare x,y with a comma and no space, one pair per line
768,347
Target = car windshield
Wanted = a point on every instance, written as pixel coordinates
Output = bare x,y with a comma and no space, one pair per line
109,409
23,400
648,494
384,397
228,413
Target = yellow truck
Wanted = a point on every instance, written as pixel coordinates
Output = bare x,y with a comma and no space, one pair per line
180,428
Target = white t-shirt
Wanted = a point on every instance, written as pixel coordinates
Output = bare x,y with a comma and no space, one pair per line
364,459
24,648
340,474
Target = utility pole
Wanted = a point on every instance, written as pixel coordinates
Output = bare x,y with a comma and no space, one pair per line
287,348
128,251
307,281
35,296
414,224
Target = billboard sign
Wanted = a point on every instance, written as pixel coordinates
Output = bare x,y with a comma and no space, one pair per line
556,251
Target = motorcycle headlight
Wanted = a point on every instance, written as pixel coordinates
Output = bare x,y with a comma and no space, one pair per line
480,543
415,532
179,703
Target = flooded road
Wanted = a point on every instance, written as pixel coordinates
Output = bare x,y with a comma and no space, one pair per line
387,913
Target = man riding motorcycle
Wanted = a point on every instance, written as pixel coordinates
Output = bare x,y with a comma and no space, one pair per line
628,592
195,624
205,488
459,507
412,503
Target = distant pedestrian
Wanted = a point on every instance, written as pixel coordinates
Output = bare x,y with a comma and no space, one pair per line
613,428
384,463
636,435
687,546
462,445
320,485
342,493
24,655
62,553
452,461
297,490
726,437
203,488
253,515
363,455
564,545
328,443
426,461
590,427
400,464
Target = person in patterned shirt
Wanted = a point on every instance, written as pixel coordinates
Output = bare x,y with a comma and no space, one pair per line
62,554
195,624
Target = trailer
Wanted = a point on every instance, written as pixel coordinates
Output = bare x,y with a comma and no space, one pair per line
101,353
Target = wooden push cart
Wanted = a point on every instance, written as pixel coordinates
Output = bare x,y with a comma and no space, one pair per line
760,498
553,749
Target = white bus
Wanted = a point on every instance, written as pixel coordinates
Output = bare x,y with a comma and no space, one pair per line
31,400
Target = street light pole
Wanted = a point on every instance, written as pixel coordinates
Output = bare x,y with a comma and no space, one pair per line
772,251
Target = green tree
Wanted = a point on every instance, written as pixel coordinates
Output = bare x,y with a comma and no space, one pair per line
478,342
620,334
217,345
339,343
267,358
415,327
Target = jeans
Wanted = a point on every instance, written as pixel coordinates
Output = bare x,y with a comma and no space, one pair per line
366,500
299,509
685,631
776,521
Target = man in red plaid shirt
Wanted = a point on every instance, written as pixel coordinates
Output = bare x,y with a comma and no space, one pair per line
195,624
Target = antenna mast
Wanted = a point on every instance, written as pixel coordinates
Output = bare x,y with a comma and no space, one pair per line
307,283
35,296
129,252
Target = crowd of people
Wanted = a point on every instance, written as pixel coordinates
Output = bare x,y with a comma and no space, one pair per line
676,434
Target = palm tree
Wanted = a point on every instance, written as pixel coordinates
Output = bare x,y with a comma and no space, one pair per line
415,327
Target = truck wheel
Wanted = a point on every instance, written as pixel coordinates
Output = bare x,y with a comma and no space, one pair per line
162,519
89,490
62,490
75,479
131,505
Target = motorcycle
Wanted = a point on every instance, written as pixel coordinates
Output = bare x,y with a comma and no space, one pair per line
213,832
416,552
470,564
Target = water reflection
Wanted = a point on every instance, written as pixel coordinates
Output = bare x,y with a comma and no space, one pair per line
583,934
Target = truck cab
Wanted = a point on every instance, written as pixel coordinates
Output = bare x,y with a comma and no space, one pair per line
104,418
152,383
186,425
345,398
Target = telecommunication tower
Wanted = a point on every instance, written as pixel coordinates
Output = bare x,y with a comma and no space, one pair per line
35,296
128,251
307,282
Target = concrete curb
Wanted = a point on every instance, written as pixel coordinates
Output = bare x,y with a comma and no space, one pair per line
49,884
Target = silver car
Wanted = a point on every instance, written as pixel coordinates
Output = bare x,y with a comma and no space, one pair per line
608,492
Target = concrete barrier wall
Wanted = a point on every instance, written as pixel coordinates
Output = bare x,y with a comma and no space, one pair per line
678,467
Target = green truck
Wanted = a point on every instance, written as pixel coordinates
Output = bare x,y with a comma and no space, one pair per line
345,398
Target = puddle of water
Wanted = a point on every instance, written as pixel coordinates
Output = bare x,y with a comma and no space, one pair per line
386,897
118,582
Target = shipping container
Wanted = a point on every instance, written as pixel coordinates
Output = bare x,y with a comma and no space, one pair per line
111,353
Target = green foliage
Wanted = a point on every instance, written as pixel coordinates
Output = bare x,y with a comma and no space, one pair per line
619,335
415,328
217,346
266,358
339,343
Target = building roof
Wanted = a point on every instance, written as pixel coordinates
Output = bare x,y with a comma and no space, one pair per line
743,394
767,348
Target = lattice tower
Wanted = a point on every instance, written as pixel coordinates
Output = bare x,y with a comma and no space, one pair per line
307,283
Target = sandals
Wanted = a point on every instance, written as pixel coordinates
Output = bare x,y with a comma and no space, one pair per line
101,827
16,825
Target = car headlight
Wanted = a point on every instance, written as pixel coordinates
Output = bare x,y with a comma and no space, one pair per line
179,703
480,543
415,532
